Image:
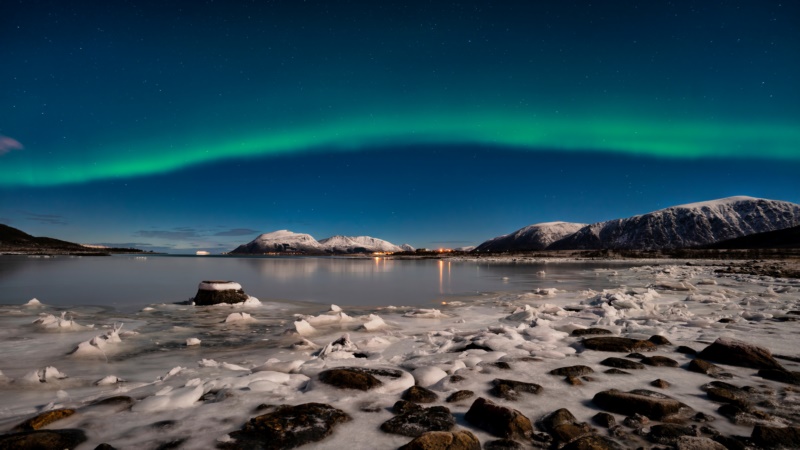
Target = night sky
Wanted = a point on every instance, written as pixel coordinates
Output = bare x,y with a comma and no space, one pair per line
186,126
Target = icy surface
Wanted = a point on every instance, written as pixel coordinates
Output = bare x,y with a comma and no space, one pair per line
273,353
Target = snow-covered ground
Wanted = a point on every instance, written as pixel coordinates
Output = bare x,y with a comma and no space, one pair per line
207,373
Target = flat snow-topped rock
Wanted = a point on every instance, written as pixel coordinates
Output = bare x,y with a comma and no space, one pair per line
216,292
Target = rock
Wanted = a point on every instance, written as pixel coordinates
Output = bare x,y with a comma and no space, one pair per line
215,292
499,420
404,406
617,344
563,426
458,396
572,371
686,350
502,444
573,381
697,443
659,383
651,404
783,376
359,378
43,419
502,365
636,421
702,366
288,427
703,417
616,372
622,363
592,442
659,340
420,394
668,433
43,439
105,446
605,420
442,440
510,389
660,361
774,437
635,355
728,393
590,331
415,422
739,353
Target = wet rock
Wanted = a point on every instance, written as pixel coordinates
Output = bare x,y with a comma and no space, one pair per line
659,383
622,363
510,389
573,381
419,394
572,371
502,365
703,366
215,292
739,353
563,426
415,422
605,420
459,395
741,416
660,361
618,344
686,350
456,378
43,439
703,417
727,393
668,433
774,437
635,355
359,378
592,442
697,443
105,446
616,372
499,420
118,400
783,376
43,419
636,421
502,444
590,332
659,340
169,445
651,404
733,442
288,427
404,406
443,440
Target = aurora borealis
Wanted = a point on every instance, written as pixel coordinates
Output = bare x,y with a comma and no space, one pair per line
100,98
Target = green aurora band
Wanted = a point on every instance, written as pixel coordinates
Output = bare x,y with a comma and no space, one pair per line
34,167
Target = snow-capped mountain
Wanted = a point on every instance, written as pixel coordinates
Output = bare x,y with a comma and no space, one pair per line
357,244
285,241
533,237
281,241
407,248
685,226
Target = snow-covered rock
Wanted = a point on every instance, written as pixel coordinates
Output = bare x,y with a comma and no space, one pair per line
357,244
533,237
281,241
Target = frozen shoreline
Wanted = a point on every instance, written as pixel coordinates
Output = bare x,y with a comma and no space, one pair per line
211,388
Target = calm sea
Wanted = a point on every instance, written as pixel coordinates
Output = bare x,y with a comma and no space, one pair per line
127,282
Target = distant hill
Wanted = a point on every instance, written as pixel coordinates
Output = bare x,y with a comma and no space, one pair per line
532,237
289,242
13,240
786,238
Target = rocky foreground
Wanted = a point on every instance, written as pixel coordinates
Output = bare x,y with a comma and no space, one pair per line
684,362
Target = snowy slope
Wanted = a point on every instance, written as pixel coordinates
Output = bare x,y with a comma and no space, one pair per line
532,237
684,226
281,241
357,244
407,248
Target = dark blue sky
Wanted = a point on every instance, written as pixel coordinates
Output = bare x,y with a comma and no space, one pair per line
198,125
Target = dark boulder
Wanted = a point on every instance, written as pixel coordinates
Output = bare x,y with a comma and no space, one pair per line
499,420
414,422
622,363
659,340
783,376
659,361
444,440
774,437
618,344
661,384
510,389
686,350
739,353
572,371
43,439
616,371
502,444
215,292
458,396
592,442
697,443
563,426
590,332
669,433
419,394
703,366
359,378
288,427
43,419
650,404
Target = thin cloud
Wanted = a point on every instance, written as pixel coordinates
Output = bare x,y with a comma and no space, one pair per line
49,219
8,144
236,232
